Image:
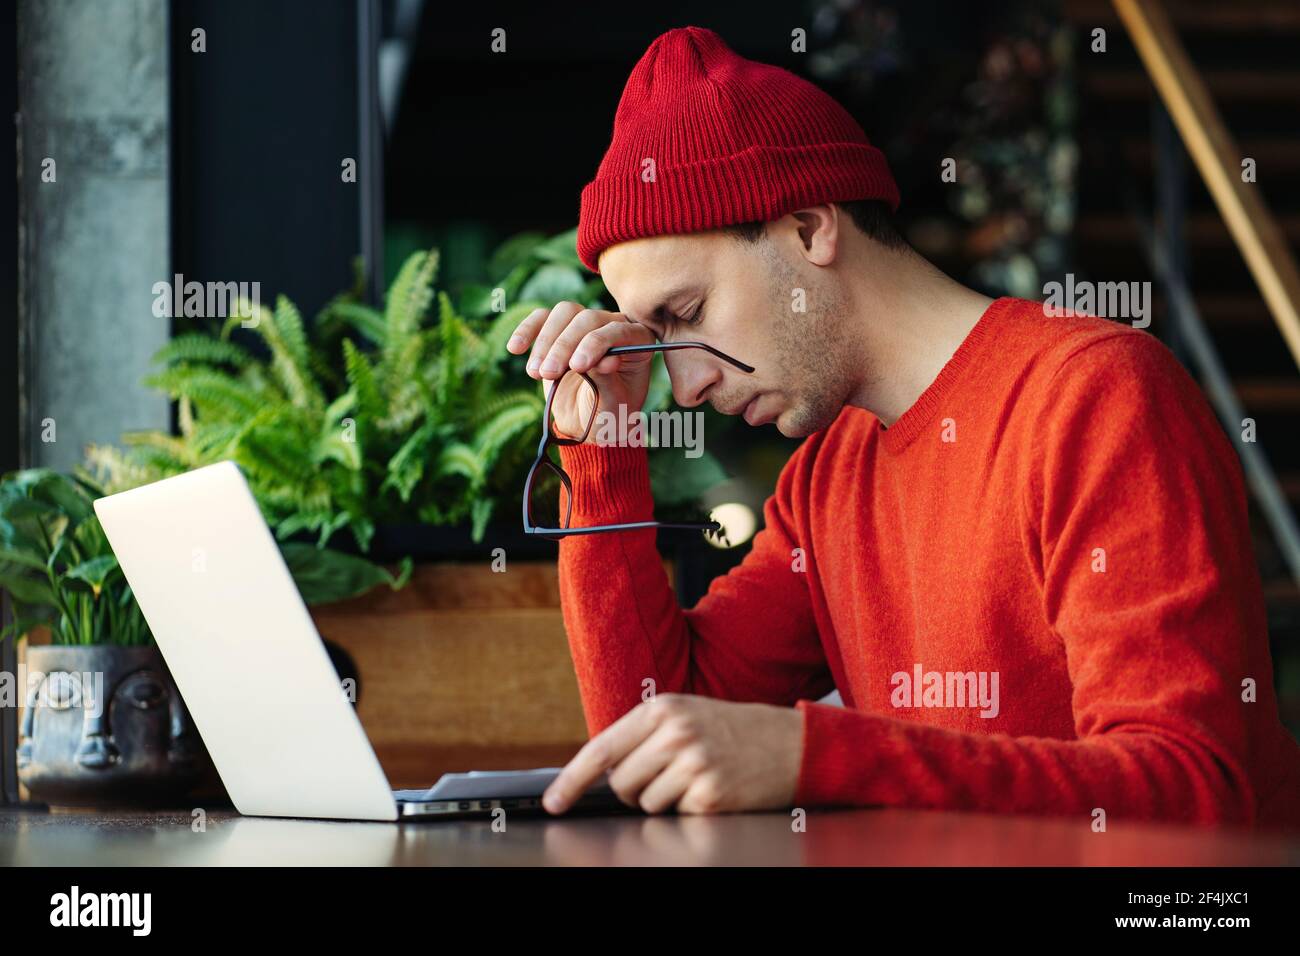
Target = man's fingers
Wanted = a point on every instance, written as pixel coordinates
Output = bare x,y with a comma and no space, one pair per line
551,328
668,788
523,334
569,336
556,360
589,354
637,770
597,755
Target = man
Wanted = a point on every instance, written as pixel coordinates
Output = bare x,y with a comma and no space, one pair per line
1017,544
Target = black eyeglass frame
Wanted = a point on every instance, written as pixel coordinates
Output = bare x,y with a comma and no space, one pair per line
549,438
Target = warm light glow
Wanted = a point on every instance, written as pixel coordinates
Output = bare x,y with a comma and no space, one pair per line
738,524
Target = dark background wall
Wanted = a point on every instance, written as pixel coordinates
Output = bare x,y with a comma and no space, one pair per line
511,139
261,123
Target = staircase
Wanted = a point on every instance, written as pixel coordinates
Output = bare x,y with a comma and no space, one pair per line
1246,56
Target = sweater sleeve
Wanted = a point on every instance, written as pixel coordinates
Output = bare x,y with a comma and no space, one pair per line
1135,519
752,637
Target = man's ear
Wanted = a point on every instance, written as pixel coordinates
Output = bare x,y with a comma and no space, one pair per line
819,232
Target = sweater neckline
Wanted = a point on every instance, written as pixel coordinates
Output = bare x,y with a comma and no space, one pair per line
901,434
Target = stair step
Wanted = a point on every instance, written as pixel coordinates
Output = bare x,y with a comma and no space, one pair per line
1224,85
1282,592
1268,394
1227,310
1200,228
1269,153
1290,484
1273,16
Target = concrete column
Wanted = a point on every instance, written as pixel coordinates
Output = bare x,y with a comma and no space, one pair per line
93,99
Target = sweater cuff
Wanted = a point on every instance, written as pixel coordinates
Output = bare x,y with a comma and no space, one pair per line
611,483
840,756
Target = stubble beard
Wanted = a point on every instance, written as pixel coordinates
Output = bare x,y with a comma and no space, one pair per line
811,357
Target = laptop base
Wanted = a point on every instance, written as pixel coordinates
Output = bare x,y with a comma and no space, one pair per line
413,810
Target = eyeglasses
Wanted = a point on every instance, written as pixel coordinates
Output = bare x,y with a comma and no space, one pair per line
535,509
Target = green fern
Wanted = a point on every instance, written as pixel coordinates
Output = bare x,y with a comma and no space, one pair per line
194,347
462,460
406,468
408,301
361,376
502,428
362,417
207,386
285,337
368,322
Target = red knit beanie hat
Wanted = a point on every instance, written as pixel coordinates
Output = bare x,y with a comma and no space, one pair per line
704,138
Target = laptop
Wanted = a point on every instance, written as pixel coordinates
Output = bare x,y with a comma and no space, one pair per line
255,675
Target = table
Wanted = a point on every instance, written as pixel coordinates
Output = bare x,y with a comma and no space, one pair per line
853,837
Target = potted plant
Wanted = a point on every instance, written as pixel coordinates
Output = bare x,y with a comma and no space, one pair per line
399,436
101,721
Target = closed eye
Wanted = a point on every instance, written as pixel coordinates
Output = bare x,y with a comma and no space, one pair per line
668,320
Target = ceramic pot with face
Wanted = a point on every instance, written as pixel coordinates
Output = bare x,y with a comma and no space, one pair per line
105,726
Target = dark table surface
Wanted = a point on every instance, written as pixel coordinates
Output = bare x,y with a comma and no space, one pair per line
841,837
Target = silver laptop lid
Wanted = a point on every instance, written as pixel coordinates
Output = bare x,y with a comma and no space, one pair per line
242,648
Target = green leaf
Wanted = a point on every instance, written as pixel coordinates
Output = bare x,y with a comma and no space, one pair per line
406,468
594,294
61,492
480,511
408,301
26,619
27,559
214,392
290,356
28,590
498,333
521,416
562,249
36,507
94,572
90,537
661,386
361,375
554,283
475,301
516,278
514,252
324,575
332,524
338,442
367,321
19,484
199,347
675,479
460,459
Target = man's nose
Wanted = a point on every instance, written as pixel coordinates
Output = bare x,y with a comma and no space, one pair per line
692,373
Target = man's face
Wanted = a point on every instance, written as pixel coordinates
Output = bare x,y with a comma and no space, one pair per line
743,299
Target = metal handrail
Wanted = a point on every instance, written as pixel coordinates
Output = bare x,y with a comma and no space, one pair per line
1217,158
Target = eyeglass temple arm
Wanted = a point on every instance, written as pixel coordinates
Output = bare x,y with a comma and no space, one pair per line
670,346
629,526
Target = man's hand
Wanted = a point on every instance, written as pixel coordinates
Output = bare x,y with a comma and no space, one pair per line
697,754
572,337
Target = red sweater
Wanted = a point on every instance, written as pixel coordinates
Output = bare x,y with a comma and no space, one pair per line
1083,542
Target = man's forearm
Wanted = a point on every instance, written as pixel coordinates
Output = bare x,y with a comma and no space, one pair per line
751,638
1168,773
